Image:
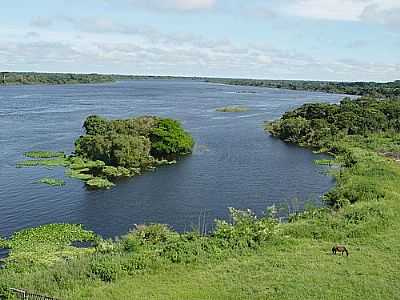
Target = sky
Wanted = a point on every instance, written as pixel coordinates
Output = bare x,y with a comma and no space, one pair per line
341,40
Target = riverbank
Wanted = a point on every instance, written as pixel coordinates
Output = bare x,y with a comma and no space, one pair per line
375,89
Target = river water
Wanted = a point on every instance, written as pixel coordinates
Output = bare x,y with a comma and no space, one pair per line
234,164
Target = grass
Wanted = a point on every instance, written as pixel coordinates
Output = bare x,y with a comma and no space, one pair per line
295,269
52,181
232,109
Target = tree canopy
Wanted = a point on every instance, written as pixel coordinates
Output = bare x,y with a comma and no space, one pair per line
132,143
312,124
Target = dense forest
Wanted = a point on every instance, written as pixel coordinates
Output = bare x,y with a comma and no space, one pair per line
387,90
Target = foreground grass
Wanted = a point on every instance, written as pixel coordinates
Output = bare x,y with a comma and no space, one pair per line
296,269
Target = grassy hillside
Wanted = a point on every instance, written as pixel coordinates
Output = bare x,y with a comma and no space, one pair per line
251,258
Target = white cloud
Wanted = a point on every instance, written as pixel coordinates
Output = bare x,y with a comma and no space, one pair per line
179,5
382,11
138,52
385,16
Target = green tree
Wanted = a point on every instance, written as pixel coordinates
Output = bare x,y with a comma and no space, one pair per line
169,139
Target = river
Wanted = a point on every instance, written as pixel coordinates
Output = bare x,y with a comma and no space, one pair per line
234,164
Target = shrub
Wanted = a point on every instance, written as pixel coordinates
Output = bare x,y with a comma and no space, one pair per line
245,231
104,268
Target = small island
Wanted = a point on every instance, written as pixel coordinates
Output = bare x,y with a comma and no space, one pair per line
232,109
111,149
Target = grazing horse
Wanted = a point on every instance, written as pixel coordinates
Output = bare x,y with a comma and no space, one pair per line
341,249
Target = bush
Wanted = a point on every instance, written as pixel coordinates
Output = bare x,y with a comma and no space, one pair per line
246,231
104,268
154,234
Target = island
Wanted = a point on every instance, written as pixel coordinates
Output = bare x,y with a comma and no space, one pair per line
232,108
111,149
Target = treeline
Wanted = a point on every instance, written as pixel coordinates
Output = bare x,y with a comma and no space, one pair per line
374,89
10,78
17,78
316,124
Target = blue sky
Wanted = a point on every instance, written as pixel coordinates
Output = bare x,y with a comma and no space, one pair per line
344,40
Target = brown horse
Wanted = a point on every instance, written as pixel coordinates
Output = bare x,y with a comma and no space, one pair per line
341,249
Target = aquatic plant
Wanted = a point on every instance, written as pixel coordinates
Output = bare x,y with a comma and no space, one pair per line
324,162
232,109
52,181
79,174
45,244
99,183
55,162
44,154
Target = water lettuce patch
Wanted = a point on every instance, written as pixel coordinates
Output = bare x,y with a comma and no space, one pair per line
52,181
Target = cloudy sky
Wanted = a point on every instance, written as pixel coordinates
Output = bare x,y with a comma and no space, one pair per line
277,39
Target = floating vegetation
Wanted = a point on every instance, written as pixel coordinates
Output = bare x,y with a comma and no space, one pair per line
233,109
52,181
79,174
99,183
54,162
324,162
46,244
114,172
165,162
44,154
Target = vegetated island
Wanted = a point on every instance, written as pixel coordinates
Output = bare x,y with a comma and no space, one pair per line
248,253
111,149
232,109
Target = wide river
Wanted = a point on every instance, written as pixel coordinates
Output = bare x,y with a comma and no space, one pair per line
234,164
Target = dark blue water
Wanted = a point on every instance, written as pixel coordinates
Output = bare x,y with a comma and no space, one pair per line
234,163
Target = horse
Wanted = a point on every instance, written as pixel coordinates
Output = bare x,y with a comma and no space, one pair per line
341,249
